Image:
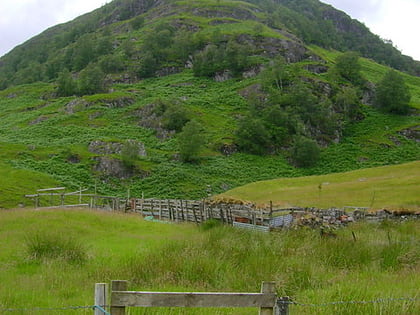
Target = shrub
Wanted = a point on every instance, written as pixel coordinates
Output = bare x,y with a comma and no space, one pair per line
175,117
392,94
111,64
130,153
348,67
190,141
137,22
91,80
66,85
252,136
305,152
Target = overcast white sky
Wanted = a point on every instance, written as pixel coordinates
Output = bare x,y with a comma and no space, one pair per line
397,20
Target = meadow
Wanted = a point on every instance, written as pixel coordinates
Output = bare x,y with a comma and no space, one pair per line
388,187
53,258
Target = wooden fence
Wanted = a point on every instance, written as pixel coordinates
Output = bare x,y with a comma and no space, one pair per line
196,211
266,300
59,198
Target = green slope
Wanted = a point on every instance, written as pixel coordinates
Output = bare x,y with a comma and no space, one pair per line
389,187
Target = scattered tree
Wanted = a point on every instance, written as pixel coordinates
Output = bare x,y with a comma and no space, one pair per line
137,22
305,152
130,154
252,136
392,94
175,117
191,140
91,80
66,85
348,67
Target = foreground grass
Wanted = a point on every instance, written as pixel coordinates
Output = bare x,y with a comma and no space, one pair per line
54,258
392,187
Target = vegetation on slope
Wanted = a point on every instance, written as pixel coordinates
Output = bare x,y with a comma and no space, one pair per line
121,96
70,251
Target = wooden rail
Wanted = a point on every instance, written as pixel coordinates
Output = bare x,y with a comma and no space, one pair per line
266,300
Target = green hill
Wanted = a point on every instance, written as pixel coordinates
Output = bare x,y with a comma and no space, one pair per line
105,101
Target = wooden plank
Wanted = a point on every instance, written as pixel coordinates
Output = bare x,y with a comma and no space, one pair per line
195,215
193,299
169,211
51,189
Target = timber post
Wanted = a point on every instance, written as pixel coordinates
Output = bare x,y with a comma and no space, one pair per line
118,285
268,287
101,297
282,307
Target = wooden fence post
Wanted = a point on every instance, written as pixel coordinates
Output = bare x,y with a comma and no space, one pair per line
267,287
101,290
118,285
282,307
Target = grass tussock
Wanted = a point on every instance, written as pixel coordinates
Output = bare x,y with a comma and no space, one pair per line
45,246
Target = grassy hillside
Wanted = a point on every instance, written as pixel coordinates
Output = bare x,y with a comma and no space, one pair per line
78,140
389,187
42,135
53,259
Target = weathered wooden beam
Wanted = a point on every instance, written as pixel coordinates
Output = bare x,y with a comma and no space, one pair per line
193,299
51,189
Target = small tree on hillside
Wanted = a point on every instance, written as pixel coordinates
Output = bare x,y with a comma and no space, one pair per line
91,80
348,66
191,141
252,136
130,154
305,152
392,94
66,85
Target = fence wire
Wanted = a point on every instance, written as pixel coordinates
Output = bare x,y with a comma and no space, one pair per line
66,308
381,300
279,302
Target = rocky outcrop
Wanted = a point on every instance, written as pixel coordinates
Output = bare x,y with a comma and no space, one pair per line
223,76
292,51
112,167
149,118
316,68
368,97
108,101
238,12
39,120
228,149
412,133
76,105
103,147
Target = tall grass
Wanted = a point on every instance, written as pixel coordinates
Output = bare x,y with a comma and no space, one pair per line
43,246
383,262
